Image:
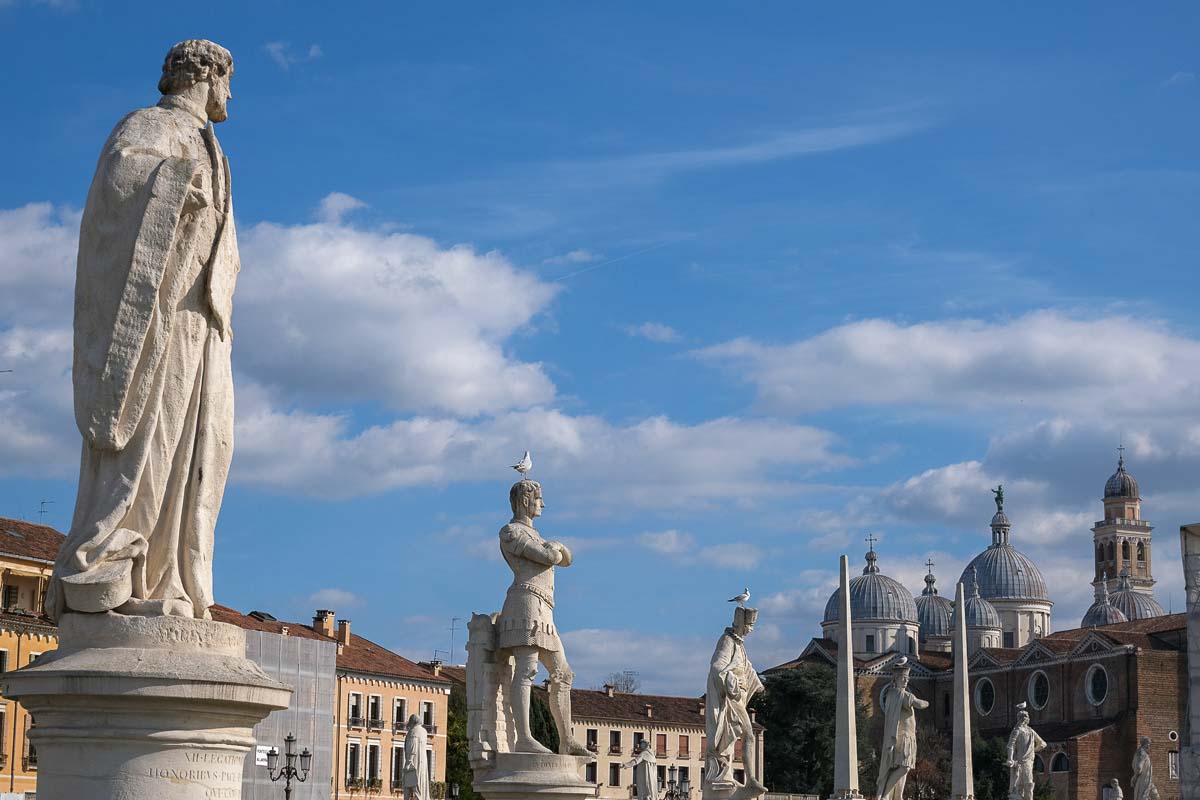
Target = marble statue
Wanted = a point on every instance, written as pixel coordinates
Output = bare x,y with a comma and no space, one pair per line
1189,752
998,492
1023,744
899,752
1114,791
1143,773
732,681
157,264
416,763
645,772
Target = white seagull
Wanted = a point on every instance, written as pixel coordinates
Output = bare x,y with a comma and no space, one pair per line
1021,705
741,598
524,465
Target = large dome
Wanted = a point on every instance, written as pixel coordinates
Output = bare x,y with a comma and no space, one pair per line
1002,572
875,596
1121,484
1134,604
935,614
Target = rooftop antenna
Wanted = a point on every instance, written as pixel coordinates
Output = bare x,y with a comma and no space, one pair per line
42,510
453,629
435,654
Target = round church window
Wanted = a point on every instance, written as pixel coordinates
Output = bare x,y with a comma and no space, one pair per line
1096,682
985,696
1039,690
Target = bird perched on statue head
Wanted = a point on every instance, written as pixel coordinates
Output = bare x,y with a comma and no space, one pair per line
741,598
524,465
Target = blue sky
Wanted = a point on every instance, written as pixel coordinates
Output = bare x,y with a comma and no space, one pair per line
751,281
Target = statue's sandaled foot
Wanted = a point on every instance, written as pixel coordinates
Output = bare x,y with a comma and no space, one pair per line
573,748
531,745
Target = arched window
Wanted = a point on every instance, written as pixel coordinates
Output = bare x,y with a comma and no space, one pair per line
1141,551
1095,684
985,696
1124,551
1112,552
1038,764
912,646
1039,690
1060,763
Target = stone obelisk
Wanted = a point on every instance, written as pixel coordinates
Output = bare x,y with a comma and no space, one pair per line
962,778
1189,546
845,758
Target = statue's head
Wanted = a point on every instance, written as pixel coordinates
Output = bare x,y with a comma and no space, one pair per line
413,721
1145,742
1114,783
525,497
1022,717
900,673
200,61
744,619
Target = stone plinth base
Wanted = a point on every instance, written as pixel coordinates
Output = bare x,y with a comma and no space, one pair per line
547,776
143,707
847,794
729,791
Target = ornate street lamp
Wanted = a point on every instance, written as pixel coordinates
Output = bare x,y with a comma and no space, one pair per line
288,771
677,790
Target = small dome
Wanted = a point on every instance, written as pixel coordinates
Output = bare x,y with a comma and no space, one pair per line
1134,604
1121,484
875,596
935,614
979,613
1004,573
1103,612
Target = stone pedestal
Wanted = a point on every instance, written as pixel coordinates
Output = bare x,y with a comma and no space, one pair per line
133,708
523,776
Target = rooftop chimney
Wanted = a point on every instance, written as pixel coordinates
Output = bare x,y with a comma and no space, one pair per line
343,632
753,715
702,708
649,711
323,622
436,666
609,689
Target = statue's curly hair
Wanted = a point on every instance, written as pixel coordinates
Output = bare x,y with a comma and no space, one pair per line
520,490
191,62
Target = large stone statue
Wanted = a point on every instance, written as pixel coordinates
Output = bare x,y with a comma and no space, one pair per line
416,763
1023,744
503,653
732,681
1143,773
645,772
899,752
157,263
1189,753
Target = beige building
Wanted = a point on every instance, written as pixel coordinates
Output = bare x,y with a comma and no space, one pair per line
27,554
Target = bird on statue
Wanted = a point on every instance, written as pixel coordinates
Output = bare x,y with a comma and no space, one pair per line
741,598
524,465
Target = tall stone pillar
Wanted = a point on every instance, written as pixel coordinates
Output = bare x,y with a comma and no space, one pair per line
144,707
962,778
845,759
1189,755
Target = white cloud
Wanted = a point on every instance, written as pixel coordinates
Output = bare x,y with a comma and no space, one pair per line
281,53
1180,78
333,599
665,663
574,257
669,543
39,243
654,332
336,205
1043,360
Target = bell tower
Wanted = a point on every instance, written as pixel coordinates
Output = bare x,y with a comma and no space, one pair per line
1121,540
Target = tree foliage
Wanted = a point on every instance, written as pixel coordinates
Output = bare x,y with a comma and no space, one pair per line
626,682
541,722
931,777
458,765
798,708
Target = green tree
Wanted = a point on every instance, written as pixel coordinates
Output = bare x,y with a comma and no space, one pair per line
988,757
541,721
798,708
458,765
932,775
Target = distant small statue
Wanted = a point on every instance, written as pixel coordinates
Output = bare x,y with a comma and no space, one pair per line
1114,791
645,772
732,681
899,752
1143,773
416,763
999,493
1023,744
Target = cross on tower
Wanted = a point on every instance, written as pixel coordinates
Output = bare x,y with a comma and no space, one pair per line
871,540
929,564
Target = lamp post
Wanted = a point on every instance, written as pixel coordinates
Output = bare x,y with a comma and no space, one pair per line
677,789
288,771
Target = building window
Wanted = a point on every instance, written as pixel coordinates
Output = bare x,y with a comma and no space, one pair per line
589,772
1141,551
739,775
373,763
1096,684
660,746
1060,763
1008,639
614,774
353,761
614,744
1125,551
427,716
870,643
912,646
1038,765
685,746
1172,764
661,780
3,661
397,767
593,738
1038,690
985,696
354,710
375,711
683,775
638,738
11,596
399,713
1112,552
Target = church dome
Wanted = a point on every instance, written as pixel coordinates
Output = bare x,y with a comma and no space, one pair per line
1103,612
935,614
875,596
1121,484
1002,572
1134,604
977,612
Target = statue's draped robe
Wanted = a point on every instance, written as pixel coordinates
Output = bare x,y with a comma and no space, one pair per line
899,731
1143,776
726,720
416,764
153,387
645,774
1023,744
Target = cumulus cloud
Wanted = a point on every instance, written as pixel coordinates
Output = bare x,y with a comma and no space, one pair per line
1043,360
669,543
654,332
336,205
684,549
284,56
574,257
665,663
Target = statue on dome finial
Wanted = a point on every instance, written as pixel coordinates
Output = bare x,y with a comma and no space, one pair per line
999,493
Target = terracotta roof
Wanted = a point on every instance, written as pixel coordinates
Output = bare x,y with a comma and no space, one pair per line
222,613
455,674
28,618
929,660
667,710
1151,625
1004,655
28,540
